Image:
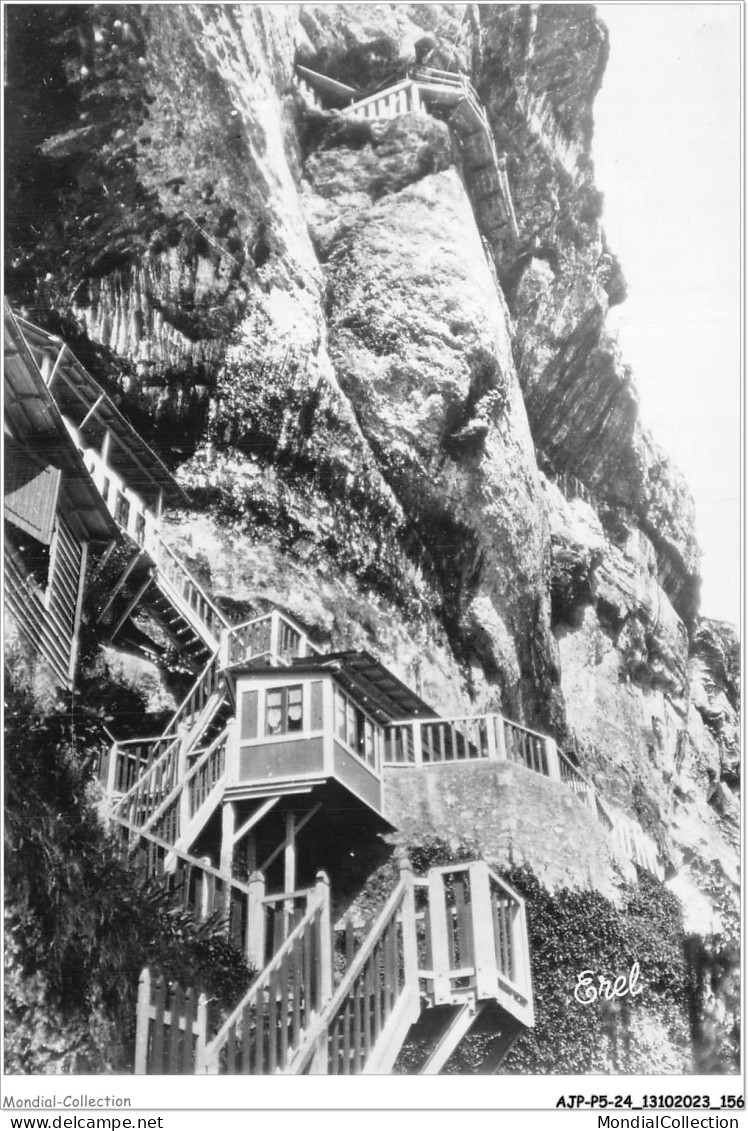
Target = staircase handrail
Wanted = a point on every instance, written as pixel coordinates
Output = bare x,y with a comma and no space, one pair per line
316,905
171,731
522,987
162,546
184,782
193,861
378,96
142,741
123,803
327,1015
173,724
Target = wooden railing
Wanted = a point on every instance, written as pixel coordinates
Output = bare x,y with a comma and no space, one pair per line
377,1000
467,944
526,747
400,98
172,818
150,790
207,769
433,741
584,789
472,939
265,1031
281,915
188,588
131,759
140,524
164,799
210,682
468,739
192,883
272,638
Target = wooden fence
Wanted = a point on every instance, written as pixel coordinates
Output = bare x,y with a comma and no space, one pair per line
171,1028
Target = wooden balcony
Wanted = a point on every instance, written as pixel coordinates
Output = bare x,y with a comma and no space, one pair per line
472,933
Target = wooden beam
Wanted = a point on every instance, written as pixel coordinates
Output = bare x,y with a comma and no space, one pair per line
332,86
304,821
255,818
90,412
123,578
148,581
48,380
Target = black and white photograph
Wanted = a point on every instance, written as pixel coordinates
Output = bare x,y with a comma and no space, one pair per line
372,563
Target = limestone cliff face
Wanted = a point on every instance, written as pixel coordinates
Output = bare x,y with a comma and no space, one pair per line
412,440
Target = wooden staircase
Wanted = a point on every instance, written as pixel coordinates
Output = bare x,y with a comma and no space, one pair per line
451,93
458,959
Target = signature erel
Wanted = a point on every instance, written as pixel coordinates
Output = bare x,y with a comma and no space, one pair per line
586,991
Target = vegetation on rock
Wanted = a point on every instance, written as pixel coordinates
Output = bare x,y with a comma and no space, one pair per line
80,925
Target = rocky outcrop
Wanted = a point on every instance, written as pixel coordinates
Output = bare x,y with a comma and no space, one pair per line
413,440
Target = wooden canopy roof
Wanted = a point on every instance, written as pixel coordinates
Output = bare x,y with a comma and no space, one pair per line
370,683
33,417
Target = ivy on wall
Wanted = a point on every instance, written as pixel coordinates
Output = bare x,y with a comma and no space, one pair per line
574,931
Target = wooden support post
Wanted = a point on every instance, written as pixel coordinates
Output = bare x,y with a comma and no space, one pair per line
256,921
410,941
551,757
415,95
111,779
439,946
484,945
228,821
491,737
289,854
500,739
322,893
251,852
274,634
184,797
142,1024
521,947
417,744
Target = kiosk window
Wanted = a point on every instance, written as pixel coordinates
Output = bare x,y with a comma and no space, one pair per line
284,710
